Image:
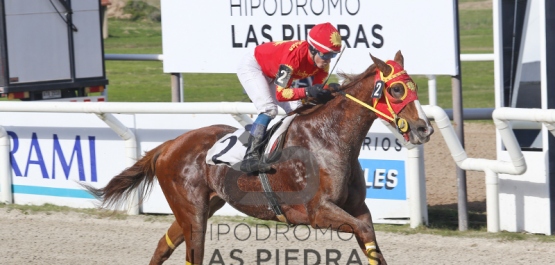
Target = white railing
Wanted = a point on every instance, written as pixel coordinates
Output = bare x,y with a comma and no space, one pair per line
491,167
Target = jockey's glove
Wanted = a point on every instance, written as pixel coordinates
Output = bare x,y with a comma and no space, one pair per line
320,92
333,87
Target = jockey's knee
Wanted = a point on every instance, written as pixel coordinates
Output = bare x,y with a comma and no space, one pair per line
271,112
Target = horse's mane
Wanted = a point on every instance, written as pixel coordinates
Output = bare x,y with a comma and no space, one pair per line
350,81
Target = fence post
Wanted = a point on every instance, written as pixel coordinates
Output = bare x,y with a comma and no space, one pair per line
415,187
6,194
492,201
176,87
128,136
432,90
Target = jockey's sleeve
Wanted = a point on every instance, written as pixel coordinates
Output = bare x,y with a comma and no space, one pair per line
289,94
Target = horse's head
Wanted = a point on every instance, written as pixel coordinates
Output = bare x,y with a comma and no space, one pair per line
396,101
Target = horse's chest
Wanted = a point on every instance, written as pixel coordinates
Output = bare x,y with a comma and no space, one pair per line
339,182
337,191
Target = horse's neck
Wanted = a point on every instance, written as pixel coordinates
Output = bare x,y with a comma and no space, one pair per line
358,117
344,121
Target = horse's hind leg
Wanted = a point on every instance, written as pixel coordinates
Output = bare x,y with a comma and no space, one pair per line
194,222
167,244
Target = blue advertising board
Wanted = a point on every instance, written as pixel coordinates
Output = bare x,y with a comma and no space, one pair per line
385,179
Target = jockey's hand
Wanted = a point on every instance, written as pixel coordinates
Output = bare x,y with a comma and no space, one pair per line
319,92
333,87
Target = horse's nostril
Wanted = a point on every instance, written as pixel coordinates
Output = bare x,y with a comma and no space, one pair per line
424,131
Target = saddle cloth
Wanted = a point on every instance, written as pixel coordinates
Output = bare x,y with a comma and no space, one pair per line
230,149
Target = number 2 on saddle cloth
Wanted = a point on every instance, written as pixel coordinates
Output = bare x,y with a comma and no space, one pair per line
230,149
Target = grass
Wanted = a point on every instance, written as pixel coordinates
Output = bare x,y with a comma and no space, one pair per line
146,82
476,31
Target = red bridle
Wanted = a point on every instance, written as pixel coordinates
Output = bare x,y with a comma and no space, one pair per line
389,104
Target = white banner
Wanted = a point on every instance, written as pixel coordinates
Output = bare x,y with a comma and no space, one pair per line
211,36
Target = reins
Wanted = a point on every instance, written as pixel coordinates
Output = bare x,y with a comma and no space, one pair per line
401,123
393,115
349,96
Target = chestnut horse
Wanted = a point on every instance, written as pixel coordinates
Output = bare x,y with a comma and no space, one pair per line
331,136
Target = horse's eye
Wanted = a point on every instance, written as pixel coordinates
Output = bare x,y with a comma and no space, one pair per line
397,91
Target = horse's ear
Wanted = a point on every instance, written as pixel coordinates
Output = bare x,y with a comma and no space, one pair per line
399,58
382,66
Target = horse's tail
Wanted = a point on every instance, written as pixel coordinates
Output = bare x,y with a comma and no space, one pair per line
121,186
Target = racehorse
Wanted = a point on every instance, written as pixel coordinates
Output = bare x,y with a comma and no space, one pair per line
331,136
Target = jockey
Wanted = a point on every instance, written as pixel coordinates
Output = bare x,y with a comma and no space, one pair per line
267,76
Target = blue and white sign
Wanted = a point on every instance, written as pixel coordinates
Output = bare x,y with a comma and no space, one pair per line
383,161
385,179
51,153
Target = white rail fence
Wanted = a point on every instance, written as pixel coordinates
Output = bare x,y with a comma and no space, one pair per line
492,168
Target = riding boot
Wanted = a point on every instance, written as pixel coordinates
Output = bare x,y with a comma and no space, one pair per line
252,162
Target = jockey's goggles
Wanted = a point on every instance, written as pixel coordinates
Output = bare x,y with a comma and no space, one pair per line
327,56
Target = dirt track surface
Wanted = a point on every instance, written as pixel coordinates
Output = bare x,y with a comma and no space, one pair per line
74,238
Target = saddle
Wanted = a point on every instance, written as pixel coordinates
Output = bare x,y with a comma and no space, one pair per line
230,149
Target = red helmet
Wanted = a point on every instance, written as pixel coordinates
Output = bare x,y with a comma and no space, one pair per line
325,38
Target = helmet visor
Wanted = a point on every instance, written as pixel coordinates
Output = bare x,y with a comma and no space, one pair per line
327,56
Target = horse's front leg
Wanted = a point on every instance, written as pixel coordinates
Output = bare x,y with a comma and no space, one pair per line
356,207
329,214
370,248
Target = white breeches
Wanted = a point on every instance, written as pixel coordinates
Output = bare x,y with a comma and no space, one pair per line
261,89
